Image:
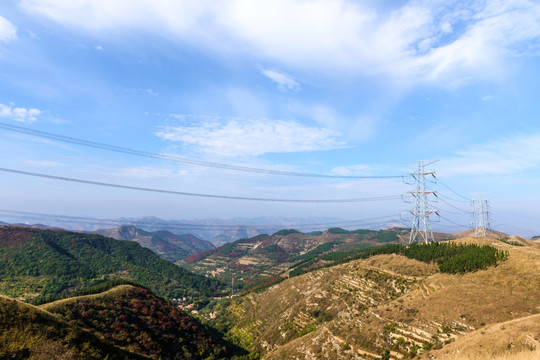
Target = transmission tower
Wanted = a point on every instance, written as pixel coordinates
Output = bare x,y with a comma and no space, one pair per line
481,216
421,224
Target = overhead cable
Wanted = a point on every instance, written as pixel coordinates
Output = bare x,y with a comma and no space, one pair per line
173,225
455,192
449,212
455,223
450,198
455,207
172,192
179,159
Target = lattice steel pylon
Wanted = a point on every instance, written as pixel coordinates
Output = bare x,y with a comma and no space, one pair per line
421,224
481,216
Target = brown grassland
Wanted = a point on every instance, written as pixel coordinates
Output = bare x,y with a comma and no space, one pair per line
360,309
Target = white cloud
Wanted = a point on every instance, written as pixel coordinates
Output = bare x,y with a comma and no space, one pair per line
237,137
8,31
353,127
147,91
284,81
447,42
18,113
499,157
359,169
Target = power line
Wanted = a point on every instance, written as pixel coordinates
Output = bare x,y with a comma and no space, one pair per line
165,224
450,212
125,150
450,198
172,192
455,223
455,192
455,207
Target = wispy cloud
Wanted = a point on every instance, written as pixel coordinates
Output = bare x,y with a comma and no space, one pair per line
8,31
446,43
358,169
499,157
237,137
284,81
147,91
18,113
141,172
45,163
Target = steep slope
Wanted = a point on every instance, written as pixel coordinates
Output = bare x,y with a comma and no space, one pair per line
164,243
50,262
517,339
28,332
387,302
135,319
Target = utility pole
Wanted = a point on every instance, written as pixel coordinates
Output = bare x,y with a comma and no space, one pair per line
232,285
421,224
481,216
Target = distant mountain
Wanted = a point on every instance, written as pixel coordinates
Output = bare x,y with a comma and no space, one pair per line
217,231
164,243
253,259
222,231
48,263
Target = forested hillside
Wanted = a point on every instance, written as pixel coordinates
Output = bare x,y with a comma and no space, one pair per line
46,263
133,318
28,332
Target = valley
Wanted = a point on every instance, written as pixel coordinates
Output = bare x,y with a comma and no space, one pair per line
164,243
336,294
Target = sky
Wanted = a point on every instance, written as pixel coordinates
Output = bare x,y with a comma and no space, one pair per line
334,87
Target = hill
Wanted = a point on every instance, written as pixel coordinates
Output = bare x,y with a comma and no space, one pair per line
28,332
136,320
262,257
164,243
124,322
47,263
393,303
516,339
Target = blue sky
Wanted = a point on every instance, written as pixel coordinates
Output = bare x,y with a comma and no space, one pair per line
325,86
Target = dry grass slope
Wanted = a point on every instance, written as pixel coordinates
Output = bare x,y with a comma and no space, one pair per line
360,309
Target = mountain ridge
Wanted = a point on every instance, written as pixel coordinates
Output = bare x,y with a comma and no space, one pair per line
47,263
387,302
164,243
